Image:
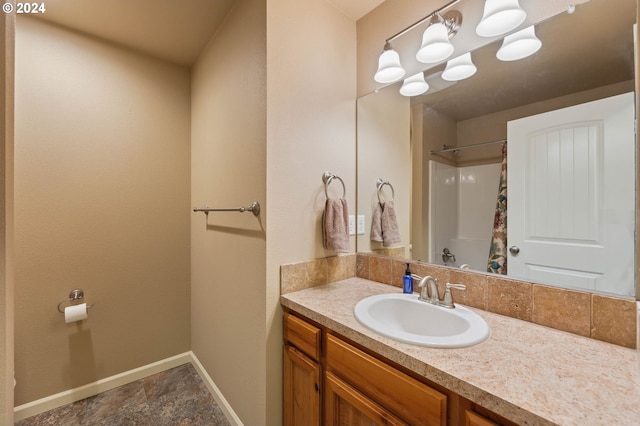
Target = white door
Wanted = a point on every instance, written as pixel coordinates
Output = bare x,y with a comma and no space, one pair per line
571,196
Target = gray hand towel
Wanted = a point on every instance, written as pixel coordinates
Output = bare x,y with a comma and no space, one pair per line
384,225
335,225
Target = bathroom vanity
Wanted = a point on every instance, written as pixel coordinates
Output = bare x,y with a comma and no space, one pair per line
336,371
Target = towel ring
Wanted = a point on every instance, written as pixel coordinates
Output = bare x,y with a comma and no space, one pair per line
327,177
379,184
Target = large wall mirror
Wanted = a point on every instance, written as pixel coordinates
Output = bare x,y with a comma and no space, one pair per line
558,126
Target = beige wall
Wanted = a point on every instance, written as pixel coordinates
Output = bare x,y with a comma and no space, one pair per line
7,32
384,151
311,91
228,248
235,315
102,203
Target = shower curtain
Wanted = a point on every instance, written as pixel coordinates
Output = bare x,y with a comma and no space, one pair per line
498,251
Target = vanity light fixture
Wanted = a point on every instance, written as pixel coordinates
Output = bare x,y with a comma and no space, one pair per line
459,68
500,17
519,45
389,67
435,45
414,85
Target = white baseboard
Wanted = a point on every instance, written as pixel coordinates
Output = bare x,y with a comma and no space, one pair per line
217,395
72,395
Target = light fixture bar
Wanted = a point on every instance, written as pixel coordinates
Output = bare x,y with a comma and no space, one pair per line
412,26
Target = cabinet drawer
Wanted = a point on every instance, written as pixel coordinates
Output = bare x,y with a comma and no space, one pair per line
410,399
302,335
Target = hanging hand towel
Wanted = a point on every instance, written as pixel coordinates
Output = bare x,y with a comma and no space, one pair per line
335,225
384,226
376,224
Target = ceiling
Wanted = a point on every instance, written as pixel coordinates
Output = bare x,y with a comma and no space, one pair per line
174,30
355,9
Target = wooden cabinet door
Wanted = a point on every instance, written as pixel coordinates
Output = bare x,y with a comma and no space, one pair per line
475,419
344,405
301,389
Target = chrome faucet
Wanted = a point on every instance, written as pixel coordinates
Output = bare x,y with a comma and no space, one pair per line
429,293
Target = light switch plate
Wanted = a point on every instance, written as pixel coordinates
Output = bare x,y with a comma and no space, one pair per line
352,225
360,224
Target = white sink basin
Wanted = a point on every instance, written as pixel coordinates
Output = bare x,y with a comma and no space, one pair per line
404,318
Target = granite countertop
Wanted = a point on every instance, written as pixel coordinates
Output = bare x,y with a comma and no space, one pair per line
527,373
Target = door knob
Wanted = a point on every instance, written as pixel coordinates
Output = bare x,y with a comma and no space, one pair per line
514,250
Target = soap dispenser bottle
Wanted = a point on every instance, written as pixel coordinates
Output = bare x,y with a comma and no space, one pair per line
407,281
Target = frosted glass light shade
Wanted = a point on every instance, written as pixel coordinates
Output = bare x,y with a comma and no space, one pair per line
459,68
519,45
435,46
500,17
389,67
414,85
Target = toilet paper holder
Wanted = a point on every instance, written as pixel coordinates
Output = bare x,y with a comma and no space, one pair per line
75,294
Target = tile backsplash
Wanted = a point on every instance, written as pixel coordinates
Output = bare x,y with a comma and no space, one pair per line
301,275
611,319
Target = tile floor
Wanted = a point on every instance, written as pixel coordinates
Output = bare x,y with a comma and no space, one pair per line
174,397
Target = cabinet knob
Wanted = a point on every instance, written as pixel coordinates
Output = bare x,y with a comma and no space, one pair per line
317,387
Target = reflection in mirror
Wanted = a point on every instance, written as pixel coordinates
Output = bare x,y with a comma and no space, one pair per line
567,114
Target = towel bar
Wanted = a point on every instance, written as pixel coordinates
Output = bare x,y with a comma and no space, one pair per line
253,208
